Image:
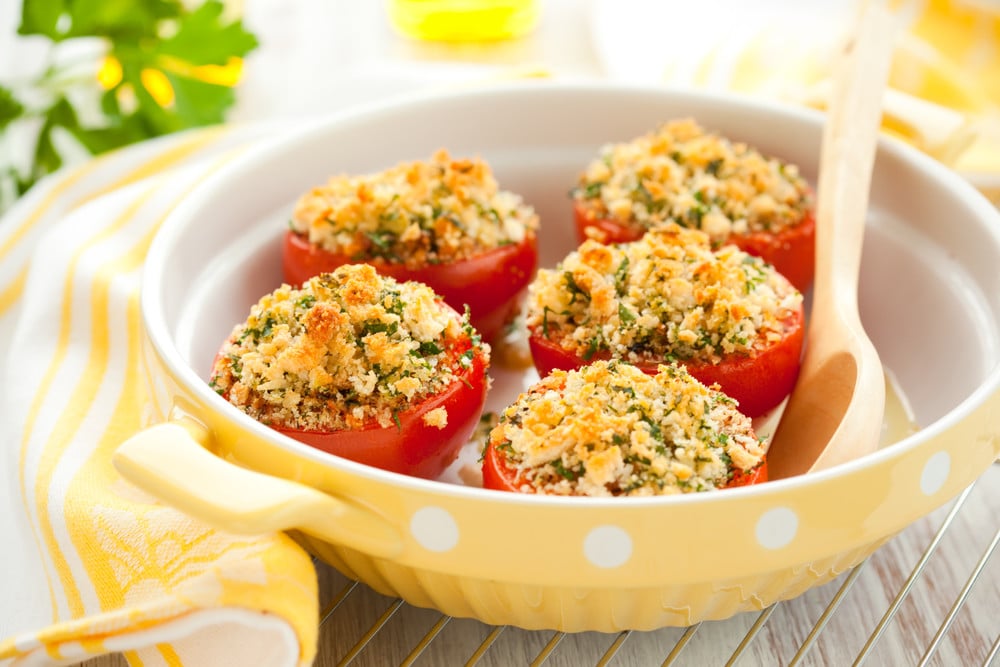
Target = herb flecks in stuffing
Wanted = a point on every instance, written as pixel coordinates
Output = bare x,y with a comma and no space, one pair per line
681,173
415,213
666,296
608,429
348,348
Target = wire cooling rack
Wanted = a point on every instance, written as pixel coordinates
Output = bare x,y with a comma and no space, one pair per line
928,597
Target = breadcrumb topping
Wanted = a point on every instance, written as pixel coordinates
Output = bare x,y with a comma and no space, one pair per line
666,296
348,348
682,173
415,213
608,429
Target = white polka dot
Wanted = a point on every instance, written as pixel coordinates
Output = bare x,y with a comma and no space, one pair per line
776,528
434,528
935,473
607,546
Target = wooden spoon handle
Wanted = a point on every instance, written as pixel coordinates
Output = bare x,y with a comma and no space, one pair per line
835,411
848,154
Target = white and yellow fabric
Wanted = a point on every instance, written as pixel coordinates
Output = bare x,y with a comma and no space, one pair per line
90,564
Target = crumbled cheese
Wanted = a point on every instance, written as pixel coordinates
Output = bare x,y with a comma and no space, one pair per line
608,429
348,348
697,179
665,296
415,213
438,417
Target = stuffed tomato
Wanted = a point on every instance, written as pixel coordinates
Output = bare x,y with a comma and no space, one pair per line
362,366
697,179
610,429
443,222
728,316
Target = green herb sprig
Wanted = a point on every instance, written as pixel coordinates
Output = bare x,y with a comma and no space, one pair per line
148,68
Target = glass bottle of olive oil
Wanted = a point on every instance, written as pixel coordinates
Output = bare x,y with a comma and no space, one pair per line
463,20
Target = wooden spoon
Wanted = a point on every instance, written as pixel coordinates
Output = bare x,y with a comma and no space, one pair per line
834,414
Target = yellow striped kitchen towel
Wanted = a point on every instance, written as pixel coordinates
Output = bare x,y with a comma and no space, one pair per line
91,565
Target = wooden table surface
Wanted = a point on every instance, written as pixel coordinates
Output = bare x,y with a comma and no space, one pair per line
964,541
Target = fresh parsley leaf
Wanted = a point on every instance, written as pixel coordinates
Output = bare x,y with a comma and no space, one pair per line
197,103
429,348
42,17
166,65
202,38
592,190
10,108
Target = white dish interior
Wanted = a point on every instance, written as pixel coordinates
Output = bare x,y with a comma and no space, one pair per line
930,290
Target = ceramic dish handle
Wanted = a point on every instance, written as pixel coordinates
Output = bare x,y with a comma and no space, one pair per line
170,462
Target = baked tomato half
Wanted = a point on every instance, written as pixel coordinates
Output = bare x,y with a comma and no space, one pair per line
414,444
612,429
759,381
791,250
361,366
490,283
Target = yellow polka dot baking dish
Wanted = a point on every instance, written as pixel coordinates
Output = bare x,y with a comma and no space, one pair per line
930,299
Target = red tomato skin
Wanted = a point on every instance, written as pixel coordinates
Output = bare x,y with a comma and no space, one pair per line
491,283
759,383
605,230
412,447
498,476
753,476
791,251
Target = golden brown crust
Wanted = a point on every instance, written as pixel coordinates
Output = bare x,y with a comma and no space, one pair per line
608,429
698,179
667,295
346,349
416,213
